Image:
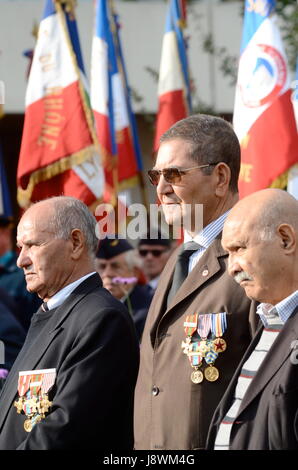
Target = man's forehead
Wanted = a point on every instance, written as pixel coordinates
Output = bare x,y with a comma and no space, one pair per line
232,228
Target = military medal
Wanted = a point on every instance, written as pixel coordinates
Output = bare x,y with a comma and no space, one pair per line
23,387
33,388
211,373
195,359
218,327
197,376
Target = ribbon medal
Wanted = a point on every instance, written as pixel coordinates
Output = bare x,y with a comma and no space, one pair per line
200,348
33,388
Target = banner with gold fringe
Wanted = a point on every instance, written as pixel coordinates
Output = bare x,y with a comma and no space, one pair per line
59,152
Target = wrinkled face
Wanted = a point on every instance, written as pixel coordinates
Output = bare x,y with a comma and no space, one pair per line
254,263
179,200
154,258
45,260
111,268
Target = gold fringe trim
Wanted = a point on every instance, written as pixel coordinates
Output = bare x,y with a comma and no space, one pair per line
54,169
281,181
128,183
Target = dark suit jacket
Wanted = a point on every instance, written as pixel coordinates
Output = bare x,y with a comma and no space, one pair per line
91,341
268,415
171,412
140,299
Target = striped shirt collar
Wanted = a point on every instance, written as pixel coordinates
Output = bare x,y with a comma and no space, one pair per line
206,236
283,309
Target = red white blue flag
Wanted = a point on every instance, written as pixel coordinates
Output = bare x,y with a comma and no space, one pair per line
174,97
59,151
110,101
263,115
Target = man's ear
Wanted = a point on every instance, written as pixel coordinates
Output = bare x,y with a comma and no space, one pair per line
78,243
287,237
223,177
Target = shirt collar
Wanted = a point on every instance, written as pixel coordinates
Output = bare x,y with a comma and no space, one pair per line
206,236
282,311
62,294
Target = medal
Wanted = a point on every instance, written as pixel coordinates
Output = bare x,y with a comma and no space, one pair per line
204,325
28,425
197,376
33,401
219,345
211,373
218,327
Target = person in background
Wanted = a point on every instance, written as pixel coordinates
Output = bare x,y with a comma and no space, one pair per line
200,321
12,278
259,410
118,265
12,336
72,384
154,249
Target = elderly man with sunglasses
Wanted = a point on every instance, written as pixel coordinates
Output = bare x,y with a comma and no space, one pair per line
200,321
154,250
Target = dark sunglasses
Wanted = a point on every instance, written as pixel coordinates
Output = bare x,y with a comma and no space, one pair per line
155,253
172,175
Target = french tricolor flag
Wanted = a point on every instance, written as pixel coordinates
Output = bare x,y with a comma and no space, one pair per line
174,98
263,114
59,151
110,101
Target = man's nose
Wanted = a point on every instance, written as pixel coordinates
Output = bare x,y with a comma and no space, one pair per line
163,187
24,259
233,265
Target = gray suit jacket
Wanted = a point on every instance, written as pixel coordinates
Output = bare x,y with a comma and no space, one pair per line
171,412
91,341
268,415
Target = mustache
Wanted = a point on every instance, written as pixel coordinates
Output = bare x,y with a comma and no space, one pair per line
242,276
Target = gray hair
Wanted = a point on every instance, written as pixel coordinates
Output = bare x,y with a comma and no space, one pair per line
212,141
69,214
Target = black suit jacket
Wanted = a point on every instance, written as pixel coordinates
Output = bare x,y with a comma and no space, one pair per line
268,415
140,300
91,341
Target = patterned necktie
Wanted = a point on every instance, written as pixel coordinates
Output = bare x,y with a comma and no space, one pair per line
44,307
181,269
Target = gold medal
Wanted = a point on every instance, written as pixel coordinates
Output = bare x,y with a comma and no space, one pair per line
28,425
211,373
219,345
197,376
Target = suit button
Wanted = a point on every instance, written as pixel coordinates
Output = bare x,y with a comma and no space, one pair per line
155,391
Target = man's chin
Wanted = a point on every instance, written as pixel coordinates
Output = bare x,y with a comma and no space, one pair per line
172,214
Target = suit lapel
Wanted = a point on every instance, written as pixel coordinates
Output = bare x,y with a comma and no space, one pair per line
207,266
29,357
275,358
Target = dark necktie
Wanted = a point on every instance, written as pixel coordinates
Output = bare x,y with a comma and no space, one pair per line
181,269
45,307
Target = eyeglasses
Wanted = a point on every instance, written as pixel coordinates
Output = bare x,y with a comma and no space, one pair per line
155,253
172,175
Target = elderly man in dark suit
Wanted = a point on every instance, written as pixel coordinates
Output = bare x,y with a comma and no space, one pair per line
199,323
71,386
259,410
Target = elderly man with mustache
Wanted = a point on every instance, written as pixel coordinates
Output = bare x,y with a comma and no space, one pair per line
259,410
